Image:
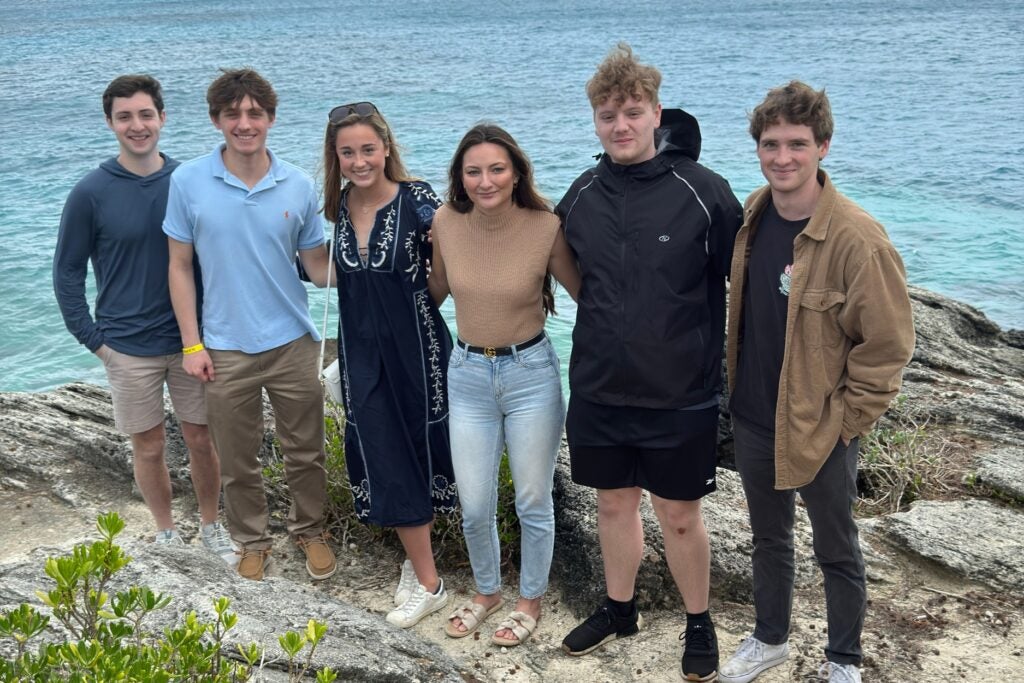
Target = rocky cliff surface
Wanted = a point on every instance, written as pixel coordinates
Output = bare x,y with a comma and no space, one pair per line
966,379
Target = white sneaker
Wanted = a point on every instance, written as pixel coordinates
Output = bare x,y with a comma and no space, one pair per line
218,541
839,673
421,603
168,537
407,584
752,658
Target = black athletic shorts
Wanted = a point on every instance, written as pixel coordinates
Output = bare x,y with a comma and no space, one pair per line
672,454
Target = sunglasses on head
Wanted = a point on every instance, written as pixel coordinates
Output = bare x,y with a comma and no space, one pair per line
342,112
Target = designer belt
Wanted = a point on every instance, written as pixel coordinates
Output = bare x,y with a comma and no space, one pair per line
492,351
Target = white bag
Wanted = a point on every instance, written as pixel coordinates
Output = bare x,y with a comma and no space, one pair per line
331,377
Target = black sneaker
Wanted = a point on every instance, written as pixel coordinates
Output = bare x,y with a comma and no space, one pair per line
700,652
603,626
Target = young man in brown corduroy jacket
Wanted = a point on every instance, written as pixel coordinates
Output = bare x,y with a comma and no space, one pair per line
819,331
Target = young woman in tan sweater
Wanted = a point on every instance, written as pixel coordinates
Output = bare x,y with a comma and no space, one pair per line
496,245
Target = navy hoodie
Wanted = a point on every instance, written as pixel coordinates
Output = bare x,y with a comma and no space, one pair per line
113,219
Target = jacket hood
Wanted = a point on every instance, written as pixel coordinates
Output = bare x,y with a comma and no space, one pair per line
677,137
114,168
679,133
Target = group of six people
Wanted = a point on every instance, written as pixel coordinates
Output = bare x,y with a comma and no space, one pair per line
645,241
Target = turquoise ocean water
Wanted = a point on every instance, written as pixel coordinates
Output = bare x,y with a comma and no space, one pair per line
928,98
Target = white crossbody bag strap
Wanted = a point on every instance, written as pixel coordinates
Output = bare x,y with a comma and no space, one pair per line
330,377
327,307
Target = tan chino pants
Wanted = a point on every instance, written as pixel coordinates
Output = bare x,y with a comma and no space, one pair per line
235,411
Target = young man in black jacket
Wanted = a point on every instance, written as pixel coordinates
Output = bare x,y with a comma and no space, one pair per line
653,232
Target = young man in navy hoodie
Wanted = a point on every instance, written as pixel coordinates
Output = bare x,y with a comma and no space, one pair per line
653,232
113,218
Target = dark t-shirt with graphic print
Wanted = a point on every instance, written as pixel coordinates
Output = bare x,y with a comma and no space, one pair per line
765,302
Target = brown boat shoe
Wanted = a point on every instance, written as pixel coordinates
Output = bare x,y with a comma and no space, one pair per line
320,561
253,562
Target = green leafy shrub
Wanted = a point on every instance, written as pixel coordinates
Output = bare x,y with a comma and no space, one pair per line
104,638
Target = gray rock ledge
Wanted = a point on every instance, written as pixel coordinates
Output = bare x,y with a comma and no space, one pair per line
977,539
1001,468
359,646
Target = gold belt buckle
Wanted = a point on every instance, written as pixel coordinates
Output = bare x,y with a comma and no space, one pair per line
490,352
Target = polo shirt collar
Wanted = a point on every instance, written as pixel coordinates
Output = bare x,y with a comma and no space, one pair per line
277,172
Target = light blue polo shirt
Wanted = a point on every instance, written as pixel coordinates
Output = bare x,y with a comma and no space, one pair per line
246,241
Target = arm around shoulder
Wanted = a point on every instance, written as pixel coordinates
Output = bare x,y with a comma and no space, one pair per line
317,266
563,266
726,219
437,280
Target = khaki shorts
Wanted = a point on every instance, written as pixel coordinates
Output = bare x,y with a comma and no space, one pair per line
137,388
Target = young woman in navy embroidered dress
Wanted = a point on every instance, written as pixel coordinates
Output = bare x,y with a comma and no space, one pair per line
393,346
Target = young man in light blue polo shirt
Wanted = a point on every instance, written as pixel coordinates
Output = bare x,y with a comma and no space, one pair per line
245,214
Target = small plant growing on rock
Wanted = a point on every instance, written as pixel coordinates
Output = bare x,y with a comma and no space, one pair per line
903,460
103,637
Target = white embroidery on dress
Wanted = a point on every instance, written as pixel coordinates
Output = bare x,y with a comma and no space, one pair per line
423,192
413,252
387,236
443,490
345,251
361,495
425,209
345,384
436,375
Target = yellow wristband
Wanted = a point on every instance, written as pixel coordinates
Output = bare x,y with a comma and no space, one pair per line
193,349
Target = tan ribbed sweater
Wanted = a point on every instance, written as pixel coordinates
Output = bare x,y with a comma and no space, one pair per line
494,267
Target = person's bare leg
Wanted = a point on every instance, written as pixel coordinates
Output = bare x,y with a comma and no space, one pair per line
687,549
205,467
151,474
416,542
621,534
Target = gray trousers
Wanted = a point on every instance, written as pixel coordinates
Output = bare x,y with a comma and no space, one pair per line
829,500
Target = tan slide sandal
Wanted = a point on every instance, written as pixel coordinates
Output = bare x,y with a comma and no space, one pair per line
472,615
521,624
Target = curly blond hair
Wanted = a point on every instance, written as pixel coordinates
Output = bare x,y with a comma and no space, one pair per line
620,76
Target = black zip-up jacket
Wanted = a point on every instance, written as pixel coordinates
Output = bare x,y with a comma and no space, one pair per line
654,242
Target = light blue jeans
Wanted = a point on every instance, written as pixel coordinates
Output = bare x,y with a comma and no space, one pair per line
516,401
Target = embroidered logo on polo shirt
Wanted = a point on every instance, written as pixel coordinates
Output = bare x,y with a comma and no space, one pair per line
286,213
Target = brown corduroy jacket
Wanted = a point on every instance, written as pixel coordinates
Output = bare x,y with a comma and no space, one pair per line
849,330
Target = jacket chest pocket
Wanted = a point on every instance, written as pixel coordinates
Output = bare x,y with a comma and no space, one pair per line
818,321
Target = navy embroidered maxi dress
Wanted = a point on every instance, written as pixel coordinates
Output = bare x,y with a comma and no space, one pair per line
393,347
